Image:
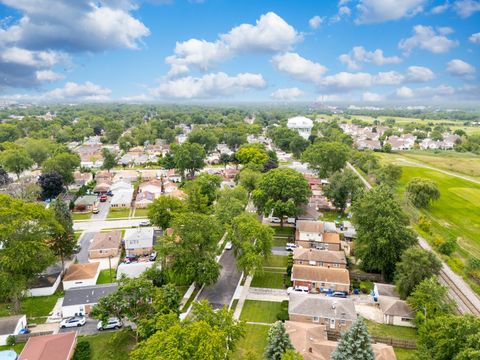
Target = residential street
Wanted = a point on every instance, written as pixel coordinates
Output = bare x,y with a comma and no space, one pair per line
221,293
98,225
84,242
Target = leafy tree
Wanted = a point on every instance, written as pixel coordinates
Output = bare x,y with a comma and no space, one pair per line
252,242
15,160
168,162
416,265
109,161
24,231
26,189
51,184
291,355
8,132
204,137
225,159
252,155
298,145
429,300
389,175
281,191
206,335
249,179
131,300
4,178
83,351
208,185
326,157
191,248
63,242
355,343
382,231
39,149
387,147
278,342
343,186
63,163
169,135
449,338
230,203
163,210
188,157
366,160
197,201
421,192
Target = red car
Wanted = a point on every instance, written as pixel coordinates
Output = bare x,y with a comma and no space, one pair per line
103,198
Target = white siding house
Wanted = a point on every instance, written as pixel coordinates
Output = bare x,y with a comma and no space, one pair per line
11,325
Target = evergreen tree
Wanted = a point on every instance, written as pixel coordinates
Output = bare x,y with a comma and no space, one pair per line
278,342
354,343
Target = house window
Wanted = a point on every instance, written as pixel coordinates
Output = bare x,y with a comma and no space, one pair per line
316,319
336,265
342,322
406,319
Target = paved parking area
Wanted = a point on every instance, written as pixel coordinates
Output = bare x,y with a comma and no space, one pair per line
84,242
89,328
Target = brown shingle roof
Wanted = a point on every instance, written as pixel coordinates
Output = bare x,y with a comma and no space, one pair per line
395,307
50,347
320,274
310,226
321,306
81,271
106,240
331,238
319,255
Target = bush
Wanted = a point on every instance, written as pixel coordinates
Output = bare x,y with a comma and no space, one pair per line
425,225
283,313
448,246
455,264
11,340
83,351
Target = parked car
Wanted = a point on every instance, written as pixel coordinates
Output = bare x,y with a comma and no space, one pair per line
24,331
103,198
109,193
275,220
95,210
290,246
130,259
153,256
144,223
298,288
73,322
291,220
339,294
228,245
112,323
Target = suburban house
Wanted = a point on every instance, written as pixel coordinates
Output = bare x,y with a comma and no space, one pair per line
120,185
138,241
105,244
311,342
81,179
395,311
80,300
122,199
46,283
104,176
126,175
153,186
11,325
366,144
102,187
311,234
321,279
143,199
313,257
302,125
81,275
50,347
334,313
85,203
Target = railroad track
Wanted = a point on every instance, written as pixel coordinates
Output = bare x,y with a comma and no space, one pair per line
468,305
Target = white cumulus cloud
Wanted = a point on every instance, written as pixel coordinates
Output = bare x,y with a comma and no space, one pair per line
372,97
419,74
466,8
346,81
404,92
459,67
359,55
427,38
315,22
388,78
475,38
49,75
377,11
298,67
287,94
208,86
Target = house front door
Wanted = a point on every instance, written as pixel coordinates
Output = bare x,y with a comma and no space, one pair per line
332,323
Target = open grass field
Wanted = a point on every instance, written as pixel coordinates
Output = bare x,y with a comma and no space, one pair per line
118,213
457,212
260,311
110,345
463,163
253,344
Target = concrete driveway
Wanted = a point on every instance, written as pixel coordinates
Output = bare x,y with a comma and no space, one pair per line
84,242
221,293
103,208
89,328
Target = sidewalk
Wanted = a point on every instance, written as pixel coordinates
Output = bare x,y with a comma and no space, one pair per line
243,297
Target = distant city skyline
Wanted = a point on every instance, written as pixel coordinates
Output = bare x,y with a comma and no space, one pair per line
358,51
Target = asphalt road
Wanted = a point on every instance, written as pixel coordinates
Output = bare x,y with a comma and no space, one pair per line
84,242
222,291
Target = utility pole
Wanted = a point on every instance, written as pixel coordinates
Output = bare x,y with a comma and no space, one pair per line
110,266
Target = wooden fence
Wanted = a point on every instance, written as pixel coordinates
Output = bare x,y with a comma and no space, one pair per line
400,343
24,337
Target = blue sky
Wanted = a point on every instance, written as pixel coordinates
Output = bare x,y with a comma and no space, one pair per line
375,51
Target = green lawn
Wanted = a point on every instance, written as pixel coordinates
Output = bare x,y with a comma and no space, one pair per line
78,216
36,308
269,279
253,344
279,242
457,213
104,276
141,212
260,311
110,345
332,216
118,213
276,261
77,234
17,348
286,230
405,354
397,332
